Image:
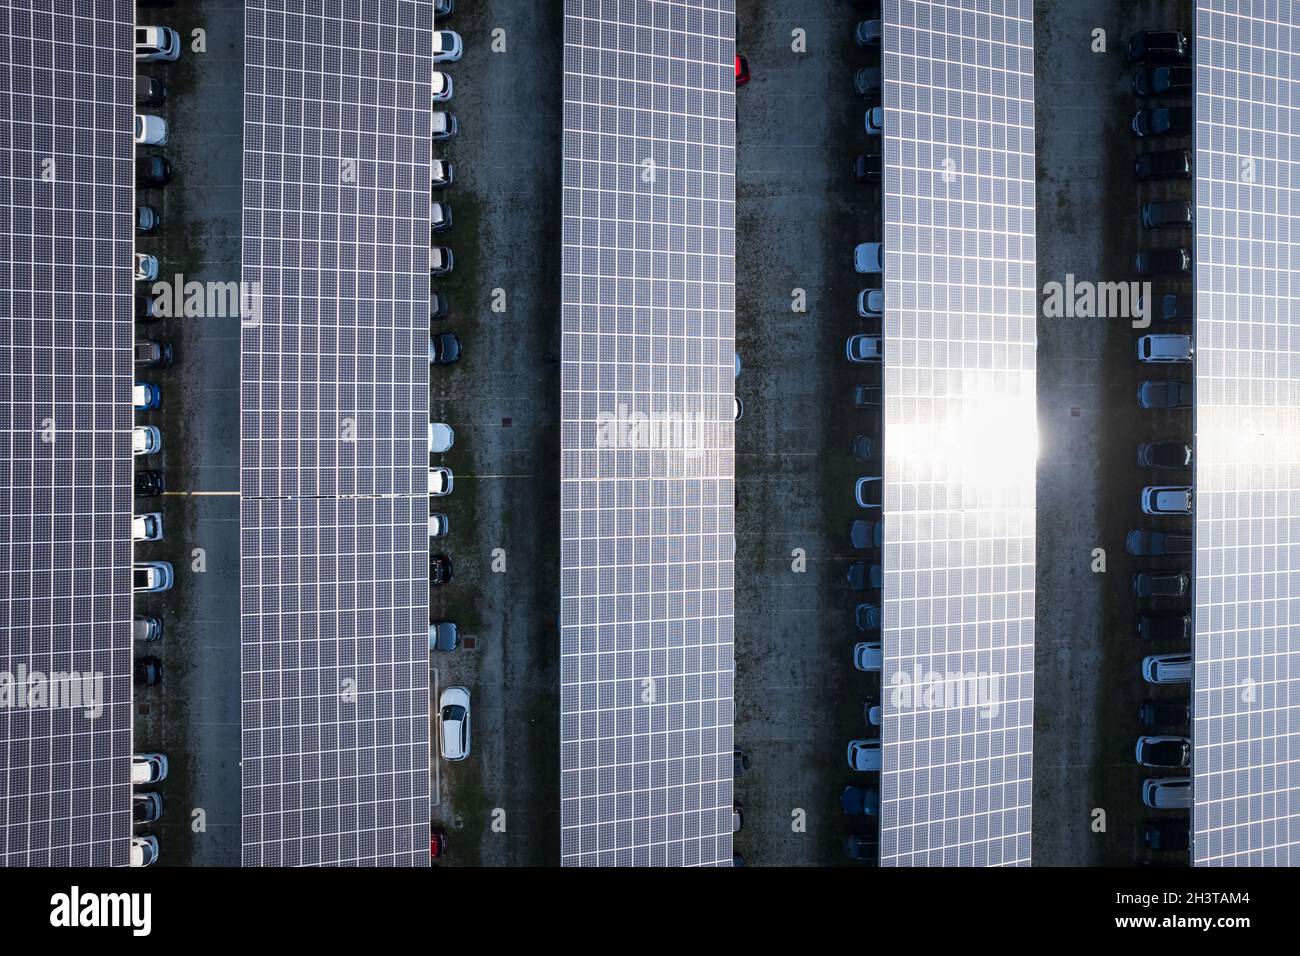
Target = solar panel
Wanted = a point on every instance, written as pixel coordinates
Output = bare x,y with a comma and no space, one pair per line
65,430
1246,683
647,470
959,435
334,412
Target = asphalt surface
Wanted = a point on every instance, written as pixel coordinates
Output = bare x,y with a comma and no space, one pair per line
500,807
1087,808
193,717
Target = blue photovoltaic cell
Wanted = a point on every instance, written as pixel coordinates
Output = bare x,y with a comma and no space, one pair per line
66,224
1246,683
648,433
960,432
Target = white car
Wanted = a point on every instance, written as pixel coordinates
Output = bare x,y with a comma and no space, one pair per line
148,768
144,850
453,723
152,576
145,440
864,348
447,46
146,267
1167,793
440,482
1167,668
441,437
439,524
1165,348
442,87
157,43
864,755
441,261
147,527
442,125
1167,500
869,258
150,130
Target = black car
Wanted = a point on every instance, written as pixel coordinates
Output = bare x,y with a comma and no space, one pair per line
1164,454
1163,164
1145,543
153,354
148,671
438,306
867,617
149,91
439,569
1171,712
1175,754
149,483
867,534
152,171
867,82
863,575
1174,307
1162,81
1167,834
146,807
1161,584
864,847
860,801
1176,214
741,762
867,168
865,448
1167,260
1164,626
444,348
1157,46
1163,393
146,308
1163,121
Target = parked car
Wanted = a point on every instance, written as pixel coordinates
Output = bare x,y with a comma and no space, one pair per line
146,267
871,303
147,671
442,125
437,843
1161,584
1171,835
1169,260
157,43
443,88
864,348
867,617
867,534
145,440
867,656
438,306
867,492
868,33
1157,46
742,71
453,723
440,261
444,348
441,482
145,396
1173,307
867,82
146,628
443,8
875,121
444,636
1167,668
1165,394
146,308
1142,542
441,437
860,801
149,91
1164,626
150,130
865,448
447,46
1164,454
1167,793
737,816
737,408
1163,164
1173,213
148,768
867,397
149,484
1165,347
440,218
440,570
441,174
146,807
150,576
867,168
439,525
144,851
1162,81
1162,121
869,258
1168,712
1167,500
152,172
862,575
862,846
147,220
1164,751
147,527
864,755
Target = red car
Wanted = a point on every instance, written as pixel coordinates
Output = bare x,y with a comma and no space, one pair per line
438,843
742,70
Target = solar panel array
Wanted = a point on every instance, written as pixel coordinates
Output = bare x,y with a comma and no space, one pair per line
648,433
65,428
959,405
1246,685
334,382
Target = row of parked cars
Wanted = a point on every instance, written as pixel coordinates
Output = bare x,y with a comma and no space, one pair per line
1162,81
161,45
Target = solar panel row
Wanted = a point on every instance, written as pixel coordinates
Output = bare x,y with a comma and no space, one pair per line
1246,685
960,432
647,433
334,412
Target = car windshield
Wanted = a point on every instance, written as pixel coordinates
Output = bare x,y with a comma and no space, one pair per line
453,712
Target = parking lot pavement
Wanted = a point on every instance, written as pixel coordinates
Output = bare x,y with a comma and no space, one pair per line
194,715
501,806
798,215
1087,682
